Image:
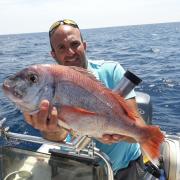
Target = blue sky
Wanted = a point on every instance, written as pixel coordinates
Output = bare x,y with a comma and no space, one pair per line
23,16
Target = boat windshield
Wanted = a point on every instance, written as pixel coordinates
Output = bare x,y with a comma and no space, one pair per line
23,164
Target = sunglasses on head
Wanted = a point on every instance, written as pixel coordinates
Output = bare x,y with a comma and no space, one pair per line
63,22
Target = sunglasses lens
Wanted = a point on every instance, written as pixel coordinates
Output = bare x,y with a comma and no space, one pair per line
57,23
65,21
70,22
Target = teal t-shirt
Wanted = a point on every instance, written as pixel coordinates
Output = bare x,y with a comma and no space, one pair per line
120,154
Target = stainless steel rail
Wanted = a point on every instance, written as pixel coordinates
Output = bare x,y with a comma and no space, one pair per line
74,146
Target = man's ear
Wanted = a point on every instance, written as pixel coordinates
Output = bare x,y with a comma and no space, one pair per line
53,54
85,45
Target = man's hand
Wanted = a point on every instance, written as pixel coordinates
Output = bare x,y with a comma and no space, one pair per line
46,120
42,120
115,138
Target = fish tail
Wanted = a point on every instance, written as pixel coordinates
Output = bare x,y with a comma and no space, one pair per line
151,142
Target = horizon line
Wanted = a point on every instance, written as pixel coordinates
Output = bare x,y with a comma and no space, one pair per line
96,27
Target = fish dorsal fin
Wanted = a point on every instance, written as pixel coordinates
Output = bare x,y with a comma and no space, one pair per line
85,72
132,115
107,92
119,98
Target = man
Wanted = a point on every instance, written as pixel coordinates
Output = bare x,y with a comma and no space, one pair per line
69,49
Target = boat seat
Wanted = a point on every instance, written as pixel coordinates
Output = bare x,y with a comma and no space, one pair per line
170,151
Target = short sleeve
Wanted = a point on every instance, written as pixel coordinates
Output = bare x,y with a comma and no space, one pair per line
109,73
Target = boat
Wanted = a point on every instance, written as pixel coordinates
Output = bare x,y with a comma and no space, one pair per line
53,161
80,159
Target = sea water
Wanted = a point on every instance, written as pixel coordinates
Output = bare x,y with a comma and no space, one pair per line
150,51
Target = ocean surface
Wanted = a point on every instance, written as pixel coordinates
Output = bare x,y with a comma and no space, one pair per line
150,51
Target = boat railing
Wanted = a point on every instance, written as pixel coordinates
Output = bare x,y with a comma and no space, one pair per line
79,147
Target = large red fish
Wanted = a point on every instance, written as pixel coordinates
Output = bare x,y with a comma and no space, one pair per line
84,104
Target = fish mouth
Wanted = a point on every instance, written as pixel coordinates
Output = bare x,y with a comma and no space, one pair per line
11,90
6,87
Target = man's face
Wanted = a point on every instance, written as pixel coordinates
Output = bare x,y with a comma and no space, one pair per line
69,50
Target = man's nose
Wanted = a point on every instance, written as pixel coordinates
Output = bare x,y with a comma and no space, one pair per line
70,51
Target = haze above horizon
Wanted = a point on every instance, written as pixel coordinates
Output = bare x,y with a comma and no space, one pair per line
19,16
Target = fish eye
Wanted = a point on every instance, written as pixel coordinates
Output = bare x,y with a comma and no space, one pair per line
33,78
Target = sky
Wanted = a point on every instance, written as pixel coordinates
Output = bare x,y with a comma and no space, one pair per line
26,16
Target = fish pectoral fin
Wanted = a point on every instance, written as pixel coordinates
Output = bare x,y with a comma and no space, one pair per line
76,110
